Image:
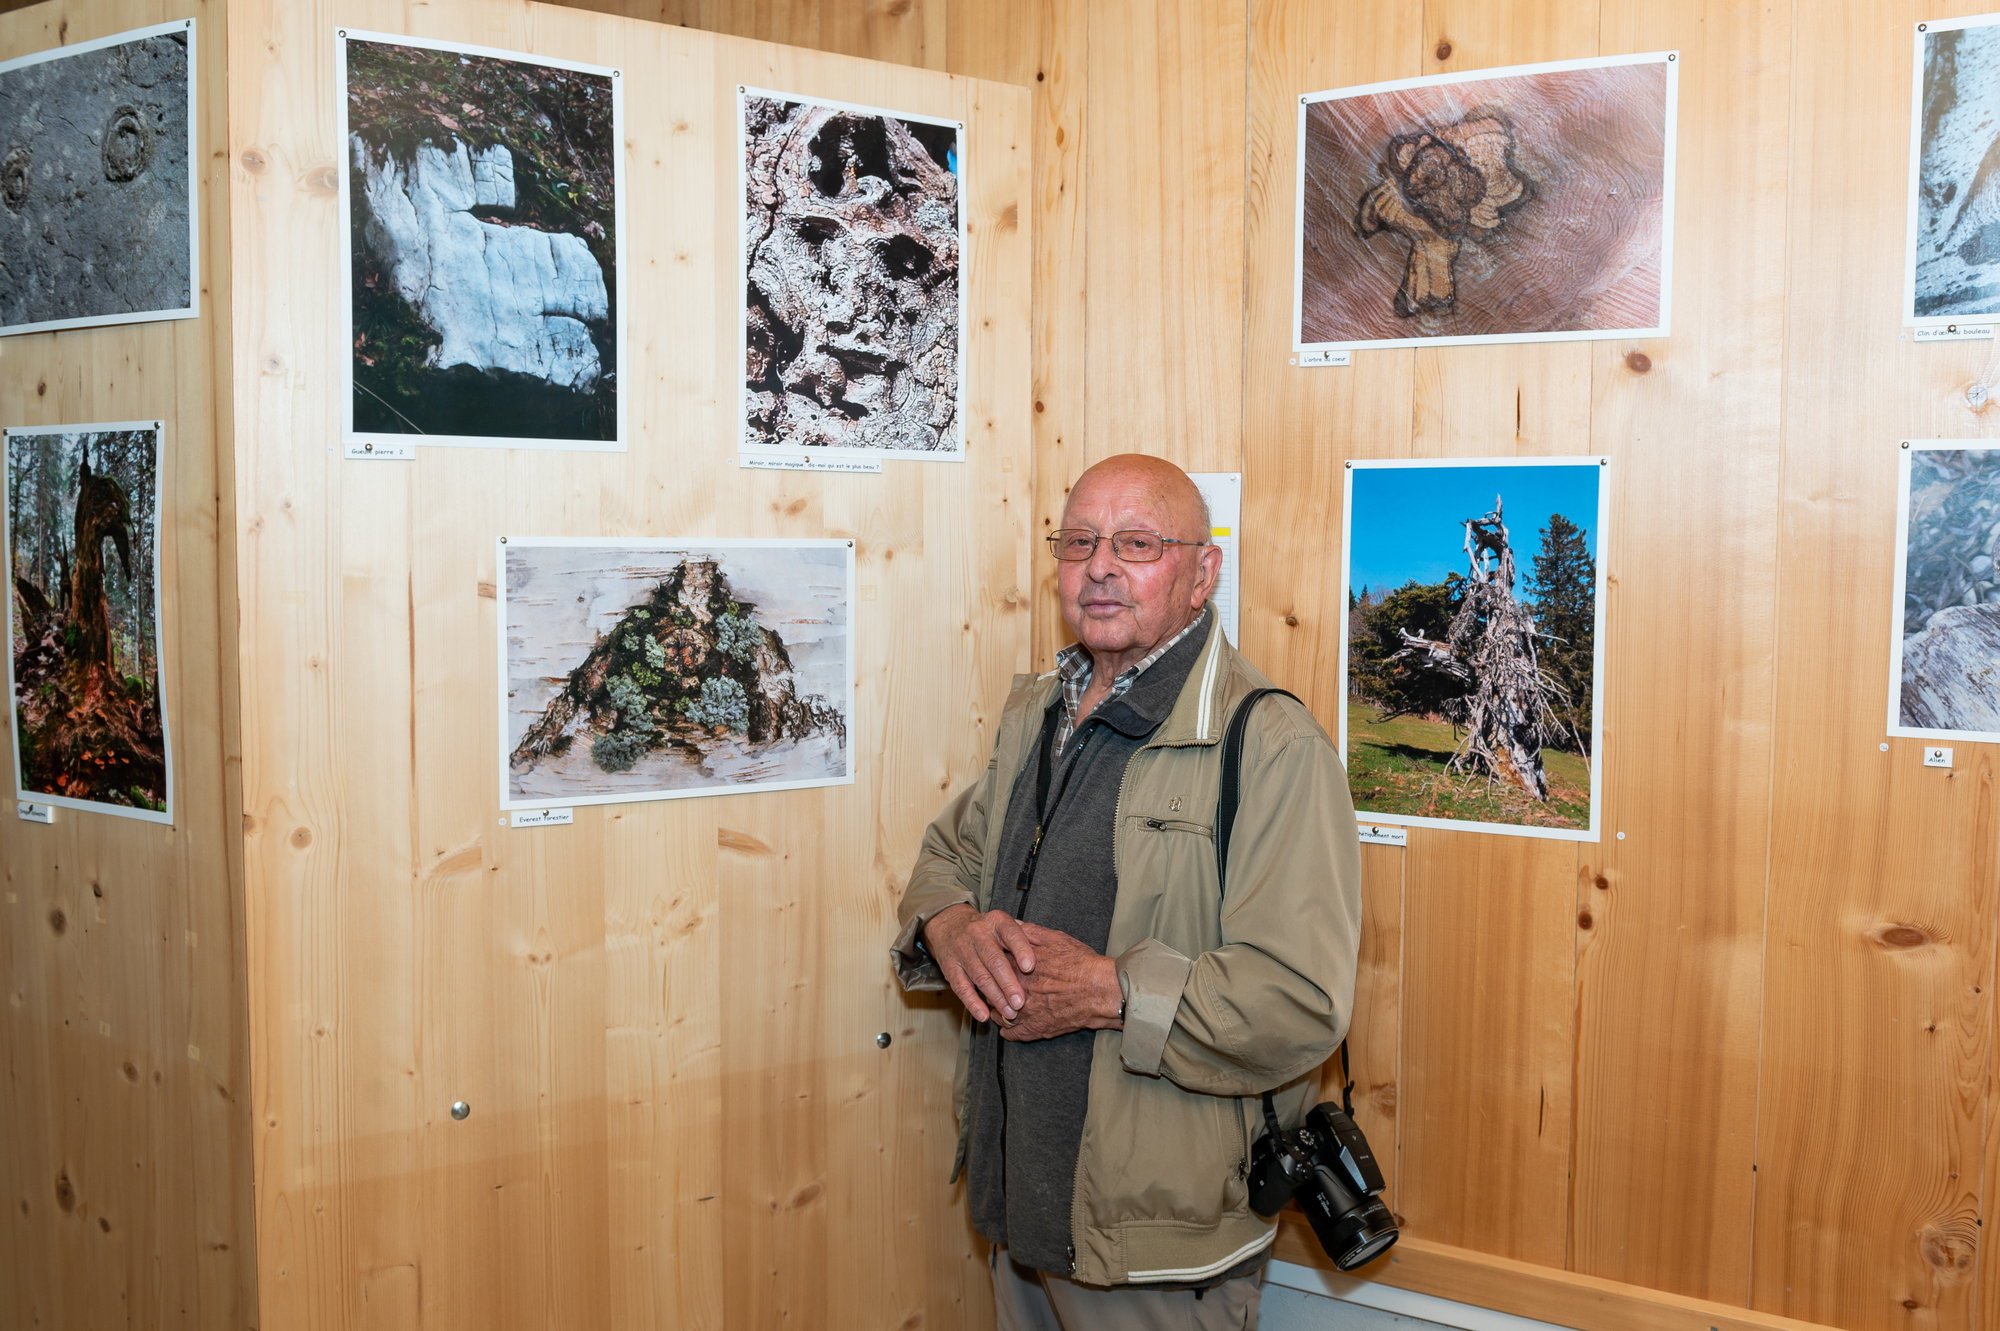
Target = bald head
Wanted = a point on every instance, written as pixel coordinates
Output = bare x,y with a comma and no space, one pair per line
1161,484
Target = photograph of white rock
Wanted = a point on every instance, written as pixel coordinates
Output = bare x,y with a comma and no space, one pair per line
1952,270
1945,653
640,669
485,244
854,309
97,204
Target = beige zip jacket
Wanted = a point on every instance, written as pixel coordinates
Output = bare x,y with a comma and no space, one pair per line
1225,999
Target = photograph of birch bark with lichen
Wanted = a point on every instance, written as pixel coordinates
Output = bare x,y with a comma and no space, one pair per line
1517,204
83,572
96,198
852,236
1948,650
644,670
1471,654
1955,237
483,247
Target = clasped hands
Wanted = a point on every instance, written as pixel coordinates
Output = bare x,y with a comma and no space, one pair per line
1036,982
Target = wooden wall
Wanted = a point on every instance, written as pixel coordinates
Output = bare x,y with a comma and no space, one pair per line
664,1017
125,1193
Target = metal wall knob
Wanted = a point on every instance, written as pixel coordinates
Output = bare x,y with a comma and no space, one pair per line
460,1110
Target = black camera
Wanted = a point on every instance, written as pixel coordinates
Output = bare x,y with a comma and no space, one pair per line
1327,1168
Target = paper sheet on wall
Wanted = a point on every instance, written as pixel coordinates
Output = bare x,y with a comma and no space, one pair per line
1224,492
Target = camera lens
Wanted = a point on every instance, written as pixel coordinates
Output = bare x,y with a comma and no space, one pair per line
1352,1237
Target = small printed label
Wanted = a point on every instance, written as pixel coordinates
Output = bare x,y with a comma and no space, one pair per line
853,466
1315,359
1375,834
1956,333
1937,757
543,817
382,450
35,813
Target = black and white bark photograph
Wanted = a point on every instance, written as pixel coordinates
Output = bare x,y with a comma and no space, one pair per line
648,669
1954,246
97,199
483,251
1472,670
83,626
1945,676
853,232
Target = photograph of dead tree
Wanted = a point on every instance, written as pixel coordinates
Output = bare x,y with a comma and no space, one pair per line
97,205
1471,670
641,670
483,248
853,305
1954,260
83,627
1528,204
1946,658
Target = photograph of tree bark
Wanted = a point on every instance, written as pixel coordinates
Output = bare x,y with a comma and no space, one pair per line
1498,206
1471,661
853,306
643,670
483,247
96,199
1954,262
83,529
1946,672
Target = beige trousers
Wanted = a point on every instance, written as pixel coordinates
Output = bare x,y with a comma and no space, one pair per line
1028,1300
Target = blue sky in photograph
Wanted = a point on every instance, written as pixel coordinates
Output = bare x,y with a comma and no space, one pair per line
1407,520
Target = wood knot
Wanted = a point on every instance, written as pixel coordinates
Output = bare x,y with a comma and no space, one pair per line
58,921
808,1193
1947,1247
1291,621
1584,920
301,837
42,388
728,838
1901,936
65,1193
1444,49
103,1225
1039,76
1638,362
254,162
1601,883
131,1073
1039,408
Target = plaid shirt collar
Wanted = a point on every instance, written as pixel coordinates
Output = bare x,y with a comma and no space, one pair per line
1073,664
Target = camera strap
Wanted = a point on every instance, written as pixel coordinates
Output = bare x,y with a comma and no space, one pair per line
1227,796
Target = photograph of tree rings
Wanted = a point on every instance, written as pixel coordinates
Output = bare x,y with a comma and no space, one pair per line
83,623
485,246
1952,268
854,304
98,204
1472,671
1944,664
1529,204
649,669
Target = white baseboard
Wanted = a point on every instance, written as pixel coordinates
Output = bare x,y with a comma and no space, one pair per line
1403,1302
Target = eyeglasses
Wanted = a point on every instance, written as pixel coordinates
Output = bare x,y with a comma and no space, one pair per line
1073,545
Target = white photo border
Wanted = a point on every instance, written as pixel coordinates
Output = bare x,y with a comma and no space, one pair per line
677,545
158,428
192,310
1911,319
348,434
748,453
1593,830
1671,111
1906,455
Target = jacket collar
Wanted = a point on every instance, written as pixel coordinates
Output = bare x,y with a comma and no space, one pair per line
1198,715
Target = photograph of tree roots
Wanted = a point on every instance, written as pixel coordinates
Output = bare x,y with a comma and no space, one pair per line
1470,673
1947,666
96,200
852,233
644,670
483,247
1955,237
1518,204
83,531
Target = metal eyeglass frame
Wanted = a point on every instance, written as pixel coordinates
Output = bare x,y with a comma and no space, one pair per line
1096,539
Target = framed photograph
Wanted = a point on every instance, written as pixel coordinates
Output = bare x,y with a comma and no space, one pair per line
1471,669
84,645
853,292
99,210
1529,204
484,247
1944,650
1952,268
641,669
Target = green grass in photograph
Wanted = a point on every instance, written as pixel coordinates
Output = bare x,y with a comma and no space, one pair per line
1400,767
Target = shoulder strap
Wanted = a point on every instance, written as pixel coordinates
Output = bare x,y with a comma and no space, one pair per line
1226,798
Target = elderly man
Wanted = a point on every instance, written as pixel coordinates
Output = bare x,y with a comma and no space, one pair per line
1126,1013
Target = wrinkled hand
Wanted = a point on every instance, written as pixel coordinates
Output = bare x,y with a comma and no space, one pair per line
1073,988
979,956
